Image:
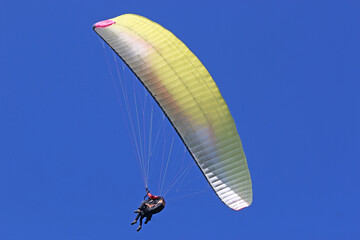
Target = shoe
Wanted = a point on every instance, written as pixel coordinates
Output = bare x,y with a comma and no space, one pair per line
138,229
146,221
133,222
137,211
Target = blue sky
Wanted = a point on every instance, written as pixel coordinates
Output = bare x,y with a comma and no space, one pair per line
289,71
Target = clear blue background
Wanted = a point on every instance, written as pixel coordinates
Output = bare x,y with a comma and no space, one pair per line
289,71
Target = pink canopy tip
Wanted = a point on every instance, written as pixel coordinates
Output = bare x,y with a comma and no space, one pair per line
104,23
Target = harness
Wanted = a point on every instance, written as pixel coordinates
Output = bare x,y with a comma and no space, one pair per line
155,206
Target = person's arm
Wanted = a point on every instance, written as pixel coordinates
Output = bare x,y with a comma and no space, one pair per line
152,196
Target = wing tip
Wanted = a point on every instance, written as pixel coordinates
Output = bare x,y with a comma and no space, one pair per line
103,24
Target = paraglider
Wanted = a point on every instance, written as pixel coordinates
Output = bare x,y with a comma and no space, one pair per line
190,99
152,205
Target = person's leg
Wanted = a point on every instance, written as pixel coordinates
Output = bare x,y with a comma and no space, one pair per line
148,218
136,218
142,204
141,207
140,225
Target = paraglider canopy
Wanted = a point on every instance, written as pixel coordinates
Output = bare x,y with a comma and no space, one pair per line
189,98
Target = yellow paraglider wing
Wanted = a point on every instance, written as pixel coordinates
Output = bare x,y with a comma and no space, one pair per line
190,99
